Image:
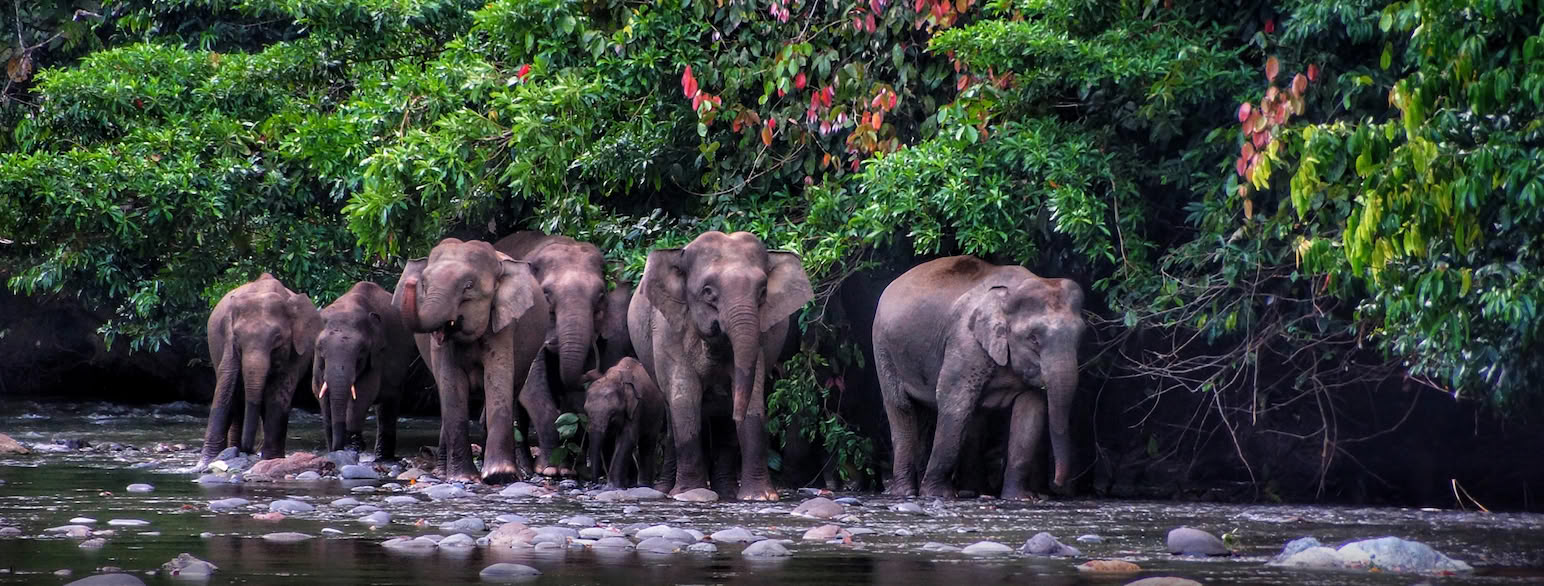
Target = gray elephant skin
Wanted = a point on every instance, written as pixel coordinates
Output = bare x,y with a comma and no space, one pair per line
572,275
261,335
627,410
959,334
479,318
362,356
707,322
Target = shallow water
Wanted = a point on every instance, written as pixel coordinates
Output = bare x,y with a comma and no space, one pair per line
47,490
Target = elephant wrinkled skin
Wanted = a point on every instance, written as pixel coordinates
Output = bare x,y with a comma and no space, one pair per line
480,318
362,356
707,322
625,407
958,334
261,334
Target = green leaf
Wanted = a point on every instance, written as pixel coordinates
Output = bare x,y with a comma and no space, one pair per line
1388,56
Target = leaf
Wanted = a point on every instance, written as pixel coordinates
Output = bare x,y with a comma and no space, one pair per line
1243,111
688,83
1388,56
766,136
1313,72
1299,84
1272,67
702,130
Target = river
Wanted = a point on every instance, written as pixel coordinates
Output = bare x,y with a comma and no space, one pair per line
44,490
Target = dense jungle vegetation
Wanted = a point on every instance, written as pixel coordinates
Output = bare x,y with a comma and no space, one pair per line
1269,202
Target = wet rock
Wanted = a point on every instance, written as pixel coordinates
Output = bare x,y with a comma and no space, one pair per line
1296,545
939,547
579,521
1317,557
614,496
94,543
140,487
406,545
1109,567
228,504
507,571
1188,541
273,516
205,535
903,532
331,531
83,521
1392,554
1047,544
287,537
309,475
613,543
228,453
734,535
186,565
75,531
358,472
548,538
547,546
1090,538
10,531
402,499
115,579
431,538
341,458
769,548
391,486
658,545
290,506
655,531
913,508
985,548
378,518
1164,581
856,531
564,532
644,493
362,489
826,533
458,540
411,474
464,525
524,489
849,501
702,548
697,495
631,510
508,534
293,464
598,532
127,522
214,479
819,508
363,510
512,518
347,501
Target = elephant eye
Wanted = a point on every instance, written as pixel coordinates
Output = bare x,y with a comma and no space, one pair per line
1034,340
763,294
468,286
708,293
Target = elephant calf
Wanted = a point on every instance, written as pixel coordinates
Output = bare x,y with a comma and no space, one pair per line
626,407
958,334
362,356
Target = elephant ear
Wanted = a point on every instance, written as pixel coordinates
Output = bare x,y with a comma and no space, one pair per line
514,294
413,270
305,323
664,281
989,324
788,287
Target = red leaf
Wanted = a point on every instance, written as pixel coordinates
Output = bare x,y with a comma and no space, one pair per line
874,6
697,101
920,5
781,92
524,71
1270,26
798,80
766,136
1262,138
1299,84
857,22
735,125
1255,122
1272,67
1243,111
879,98
1247,150
867,117
893,99
688,83
1313,72
960,85
1241,166
854,165
772,123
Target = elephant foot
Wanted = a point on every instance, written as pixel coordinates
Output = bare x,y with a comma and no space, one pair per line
549,471
566,472
664,487
500,477
943,492
765,493
461,473
1019,494
681,487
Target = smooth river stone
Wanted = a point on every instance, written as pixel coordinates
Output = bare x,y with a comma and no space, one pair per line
986,548
507,571
658,545
458,540
599,532
734,535
442,492
140,487
913,508
464,525
229,504
96,543
578,521
512,518
702,548
185,565
769,548
287,537
819,508
290,506
347,501
644,493
1188,541
308,475
358,472
697,495
401,499
825,532
83,520
613,543
118,579
127,522
377,518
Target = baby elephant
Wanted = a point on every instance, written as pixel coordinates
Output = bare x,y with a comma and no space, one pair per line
624,406
362,355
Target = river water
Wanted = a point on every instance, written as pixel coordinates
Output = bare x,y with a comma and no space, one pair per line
45,490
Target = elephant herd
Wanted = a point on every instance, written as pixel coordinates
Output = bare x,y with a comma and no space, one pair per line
530,322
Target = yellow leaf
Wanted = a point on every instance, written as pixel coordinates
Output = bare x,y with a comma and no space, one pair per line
1466,277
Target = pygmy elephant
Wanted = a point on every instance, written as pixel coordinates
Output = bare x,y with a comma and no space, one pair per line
262,334
958,334
362,356
623,405
708,322
572,275
480,318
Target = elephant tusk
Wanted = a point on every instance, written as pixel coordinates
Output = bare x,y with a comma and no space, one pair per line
323,392
352,393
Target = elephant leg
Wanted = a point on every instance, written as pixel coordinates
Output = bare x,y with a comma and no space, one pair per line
969,473
237,419
499,411
685,396
276,405
648,444
386,427
959,389
723,449
755,479
536,398
664,478
249,427
1025,430
523,462
626,443
903,429
455,447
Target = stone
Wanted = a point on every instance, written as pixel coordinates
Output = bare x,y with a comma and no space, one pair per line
819,508
228,453
1047,544
1164,581
347,501
768,548
702,548
405,545
856,531
75,531
1294,546
391,486
441,492
644,493
358,472
274,516
331,531
1188,541
631,510
903,532
734,535
523,489
293,464
826,533
985,548
127,522
913,508
653,531
411,474
186,565
697,495
849,501
658,545
10,531
598,532
614,496
508,571
464,525
939,547
213,479
287,537
564,532
613,543
1392,554
512,518
578,521
1109,567
140,487
378,518
341,458
363,510
547,546
431,538
401,499
93,543
205,535
458,540
1319,558
510,533
362,489
1090,538
228,504
83,520
115,579
290,506
308,475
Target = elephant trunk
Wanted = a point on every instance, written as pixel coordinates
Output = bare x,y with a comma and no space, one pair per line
744,328
576,330
409,307
597,441
254,377
340,378
1061,384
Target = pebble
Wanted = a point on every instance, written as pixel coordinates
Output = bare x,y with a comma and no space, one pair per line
1164,581
907,508
290,506
702,548
343,458
658,545
229,504
186,565
986,548
401,499
939,547
1090,538
612,496
378,518
347,501
512,518
442,492
826,532
598,532
75,531
10,531
547,545
269,516
358,472
411,474
697,495
140,487
391,486
127,522
644,493
632,510
508,534
734,535
847,500
1047,544
1109,567
404,544
464,525
362,489
287,537
308,475
579,521
458,540
83,520
819,508
331,531
769,548
523,489
95,543
653,531
205,535
213,479
1188,541
507,571
363,510
613,543
114,579
903,532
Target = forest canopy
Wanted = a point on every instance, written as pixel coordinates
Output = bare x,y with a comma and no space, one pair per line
1263,199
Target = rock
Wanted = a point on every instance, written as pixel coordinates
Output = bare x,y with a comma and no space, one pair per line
358,472
458,540
734,535
524,489
401,499
547,546
1047,544
213,479
94,543
293,464
512,518
697,495
331,531
205,535
644,493
1109,567
613,543
507,571
378,518
826,533
287,537
985,548
127,522
1188,541
309,475
411,474
849,501
75,531
903,532
819,508
187,565
1090,538
290,506
702,548
598,532
1294,546
362,489
658,545
228,453
510,533
579,521
939,547
442,492
631,510
363,510
768,548
83,520
229,504
116,579
1164,581
1319,558
1392,554
140,487
907,508
274,516
482,542
856,531
614,496
347,501
391,486
10,531
341,458
405,545
464,525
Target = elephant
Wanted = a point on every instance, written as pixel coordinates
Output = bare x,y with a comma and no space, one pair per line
262,334
614,343
362,356
572,275
625,406
479,319
959,334
707,323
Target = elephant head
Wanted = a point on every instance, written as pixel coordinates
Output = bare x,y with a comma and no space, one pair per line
572,276
728,285
463,291
1035,327
353,331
